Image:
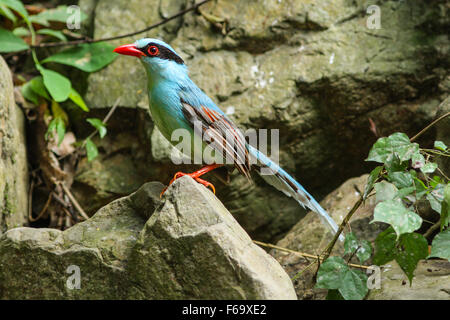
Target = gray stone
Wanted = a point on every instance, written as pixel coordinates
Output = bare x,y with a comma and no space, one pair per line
13,157
431,282
190,248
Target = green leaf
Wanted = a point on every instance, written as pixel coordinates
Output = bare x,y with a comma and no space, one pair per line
59,13
57,85
354,285
421,188
440,145
394,213
396,144
21,32
77,99
401,179
59,112
330,273
17,6
334,294
440,247
429,167
37,85
435,198
404,192
99,125
60,130
58,125
351,243
365,251
435,181
335,274
91,150
445,208
10,42
54,33
385,247
445,215
385,191
412,247
417,161
86,57
39,20
371,180
394,164
362,248
29,94
4,11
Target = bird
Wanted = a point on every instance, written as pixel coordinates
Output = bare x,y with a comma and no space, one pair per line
176,102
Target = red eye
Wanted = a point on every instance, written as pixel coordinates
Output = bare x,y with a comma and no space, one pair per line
153,50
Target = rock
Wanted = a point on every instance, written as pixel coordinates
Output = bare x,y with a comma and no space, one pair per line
309,235
13,157
189,248
431,282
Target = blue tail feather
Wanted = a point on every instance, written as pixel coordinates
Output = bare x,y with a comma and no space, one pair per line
281,180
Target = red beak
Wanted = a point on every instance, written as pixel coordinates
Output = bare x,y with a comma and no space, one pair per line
129,50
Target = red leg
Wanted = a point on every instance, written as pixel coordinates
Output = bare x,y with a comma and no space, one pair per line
196,176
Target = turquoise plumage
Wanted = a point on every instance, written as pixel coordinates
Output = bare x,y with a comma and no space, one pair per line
177,103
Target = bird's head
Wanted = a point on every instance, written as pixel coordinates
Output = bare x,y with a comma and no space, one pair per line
159,58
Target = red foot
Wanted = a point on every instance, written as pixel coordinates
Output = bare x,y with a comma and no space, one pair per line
195,175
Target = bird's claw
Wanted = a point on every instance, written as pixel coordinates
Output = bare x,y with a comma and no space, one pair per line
193,176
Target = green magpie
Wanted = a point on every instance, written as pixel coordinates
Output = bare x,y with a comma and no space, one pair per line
177,103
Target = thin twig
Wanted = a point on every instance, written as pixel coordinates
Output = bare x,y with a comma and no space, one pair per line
302,254
301,271
426,151
330,247
74,201
155,25
30,198
44,209
429,126
105,120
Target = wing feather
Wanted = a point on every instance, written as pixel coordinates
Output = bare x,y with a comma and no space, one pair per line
221,134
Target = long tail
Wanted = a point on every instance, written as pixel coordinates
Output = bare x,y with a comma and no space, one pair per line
281,180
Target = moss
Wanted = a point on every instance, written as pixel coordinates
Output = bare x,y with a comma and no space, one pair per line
9,207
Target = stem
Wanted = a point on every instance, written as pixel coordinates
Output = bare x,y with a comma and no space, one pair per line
74,201
436,152
105,120
341,227
268,245
429,126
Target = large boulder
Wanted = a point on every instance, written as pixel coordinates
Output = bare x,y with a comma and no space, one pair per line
431,282
185,246
13,157
312,69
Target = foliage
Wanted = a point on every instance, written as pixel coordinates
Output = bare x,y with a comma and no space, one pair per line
334,273
51,86
407,176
